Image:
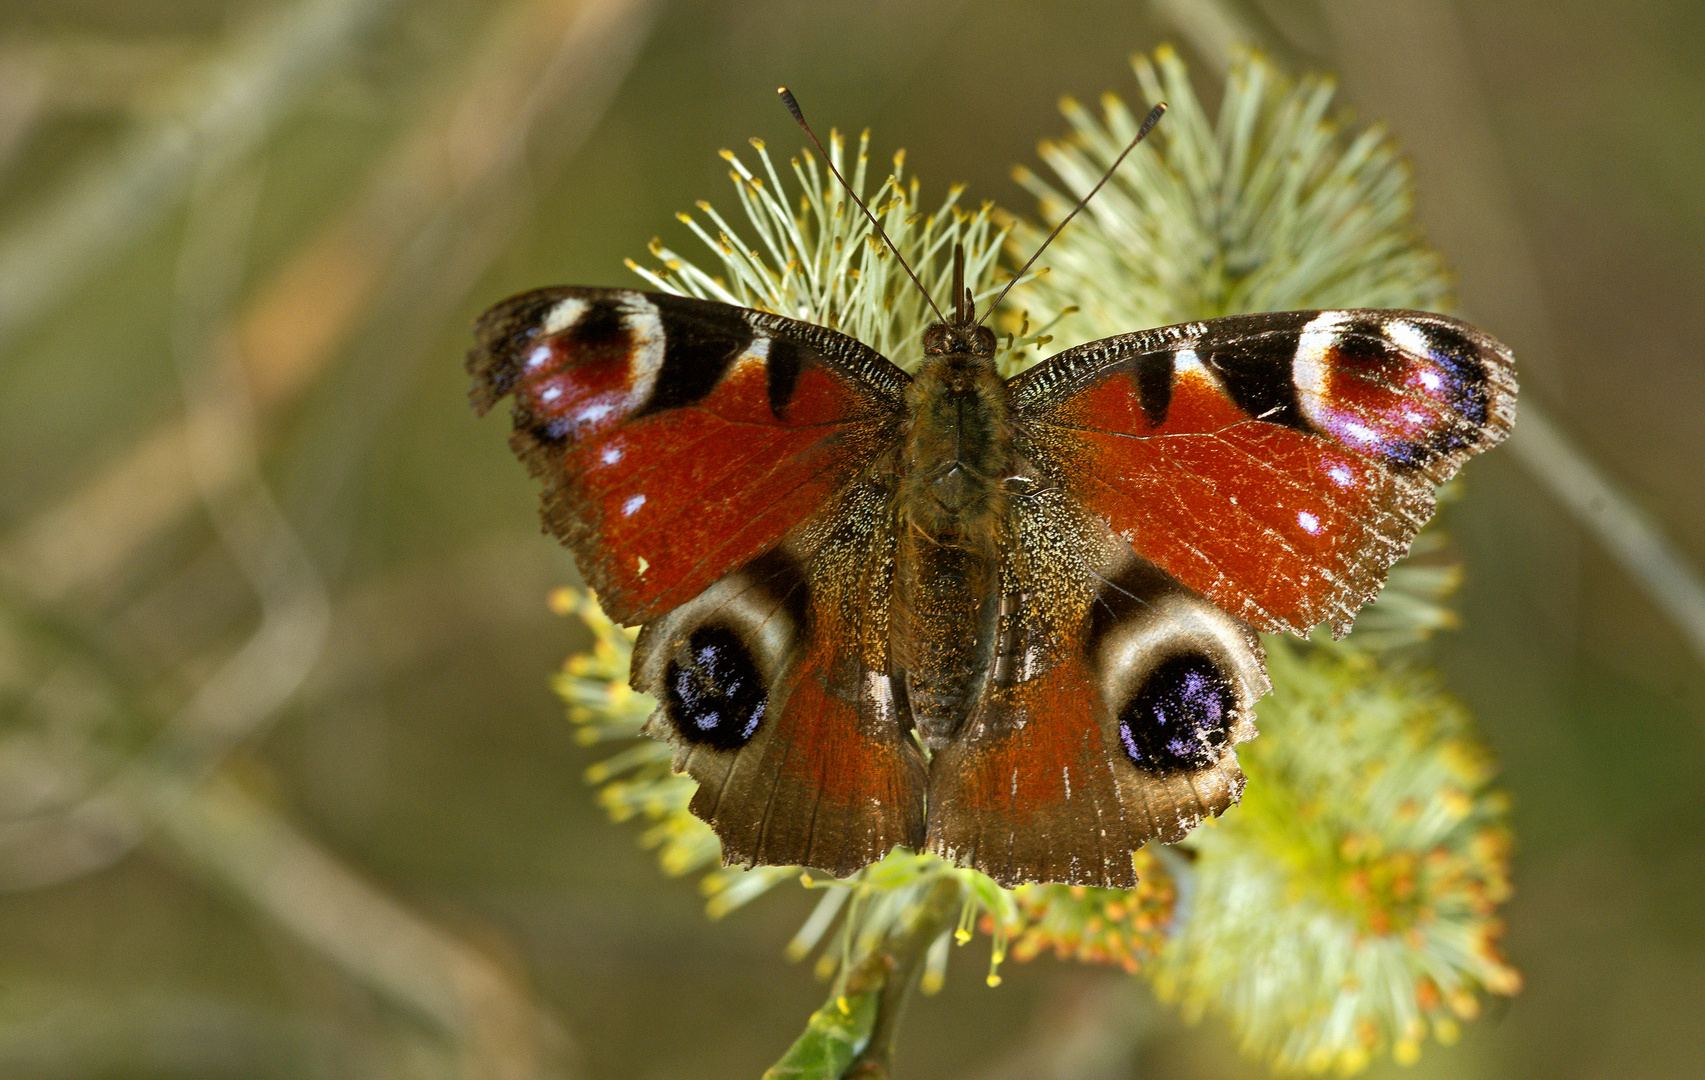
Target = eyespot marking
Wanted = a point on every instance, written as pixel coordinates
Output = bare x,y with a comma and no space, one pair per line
713,690
1180,716
1408,390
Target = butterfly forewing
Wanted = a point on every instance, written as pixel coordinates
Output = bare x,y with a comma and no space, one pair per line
678,439
1279,463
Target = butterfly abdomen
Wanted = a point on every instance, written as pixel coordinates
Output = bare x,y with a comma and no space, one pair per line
948,505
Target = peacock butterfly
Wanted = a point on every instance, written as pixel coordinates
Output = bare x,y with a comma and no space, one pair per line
1012,622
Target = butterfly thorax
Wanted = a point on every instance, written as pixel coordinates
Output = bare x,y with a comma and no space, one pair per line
949,502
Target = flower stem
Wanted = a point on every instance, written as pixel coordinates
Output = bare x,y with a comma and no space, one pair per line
903,955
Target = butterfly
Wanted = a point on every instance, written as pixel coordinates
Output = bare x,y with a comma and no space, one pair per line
1009,621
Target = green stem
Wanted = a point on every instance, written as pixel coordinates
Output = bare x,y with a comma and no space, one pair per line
903,955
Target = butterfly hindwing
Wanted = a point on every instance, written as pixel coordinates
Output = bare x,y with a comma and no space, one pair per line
678,439
1279,463
1110,715
773,688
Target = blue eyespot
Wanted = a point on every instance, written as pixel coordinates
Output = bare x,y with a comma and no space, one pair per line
713,691
1180,717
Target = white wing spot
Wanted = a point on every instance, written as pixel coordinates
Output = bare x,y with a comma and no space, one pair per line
1308,367
631,507
878,693
1186,360
643,564
645,326
564,315
593,413
610,455
758,352
1360,432
1408,337
1310,524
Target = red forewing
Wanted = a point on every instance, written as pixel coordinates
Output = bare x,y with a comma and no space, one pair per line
678,439
1278,464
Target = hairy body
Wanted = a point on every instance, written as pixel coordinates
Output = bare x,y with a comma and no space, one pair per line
950,501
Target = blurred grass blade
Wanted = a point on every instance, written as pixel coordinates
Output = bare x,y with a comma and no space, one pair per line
217,112
1637,543
543,75
499,1031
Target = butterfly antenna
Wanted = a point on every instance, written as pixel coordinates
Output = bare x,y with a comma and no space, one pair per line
1152,119
787,99
962,306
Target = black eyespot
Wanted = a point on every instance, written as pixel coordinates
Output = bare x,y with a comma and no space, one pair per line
713,689
1180,717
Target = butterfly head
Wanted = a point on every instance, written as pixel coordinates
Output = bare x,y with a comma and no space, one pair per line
961,335
959,338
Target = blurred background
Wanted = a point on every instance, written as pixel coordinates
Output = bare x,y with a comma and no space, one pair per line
283,792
